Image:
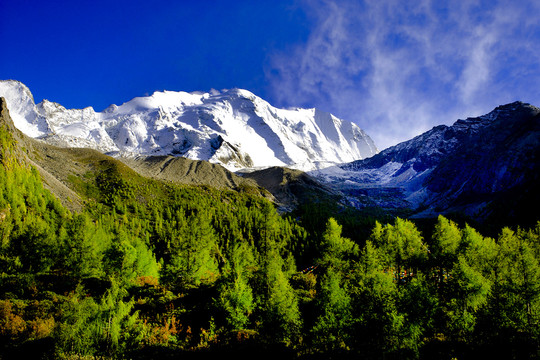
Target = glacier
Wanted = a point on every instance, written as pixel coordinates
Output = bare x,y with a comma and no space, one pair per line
231,127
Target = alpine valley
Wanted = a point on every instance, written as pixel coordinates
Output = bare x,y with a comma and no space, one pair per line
214,225
479,168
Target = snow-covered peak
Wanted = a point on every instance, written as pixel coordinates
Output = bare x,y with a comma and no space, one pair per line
161,99
22,109
232,127
238,93
17,91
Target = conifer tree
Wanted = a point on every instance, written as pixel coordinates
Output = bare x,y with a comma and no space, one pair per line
374,304
235,295
85,244
336,251
446,240
332,327
279,303
401,246
194,258
332,324
517,281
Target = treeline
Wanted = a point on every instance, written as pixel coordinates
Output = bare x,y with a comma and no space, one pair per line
150,269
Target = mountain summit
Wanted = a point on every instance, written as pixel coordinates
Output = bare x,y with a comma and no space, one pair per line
233,128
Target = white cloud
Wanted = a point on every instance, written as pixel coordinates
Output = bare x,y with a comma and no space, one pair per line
399,68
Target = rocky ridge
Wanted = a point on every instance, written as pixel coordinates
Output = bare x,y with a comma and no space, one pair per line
476,167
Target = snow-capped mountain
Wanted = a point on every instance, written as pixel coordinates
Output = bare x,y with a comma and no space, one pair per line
234,128
462,168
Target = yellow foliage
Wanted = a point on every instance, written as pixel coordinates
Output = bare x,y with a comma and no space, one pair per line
11,324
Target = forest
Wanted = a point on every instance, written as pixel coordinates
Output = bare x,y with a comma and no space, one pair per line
152,269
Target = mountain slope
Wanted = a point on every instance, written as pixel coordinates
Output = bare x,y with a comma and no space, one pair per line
193,172
292,187
29,151
233,128
483,167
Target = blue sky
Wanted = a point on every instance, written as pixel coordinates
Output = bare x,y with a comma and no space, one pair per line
396,68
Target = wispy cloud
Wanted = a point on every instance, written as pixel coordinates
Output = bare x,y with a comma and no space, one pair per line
399,68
